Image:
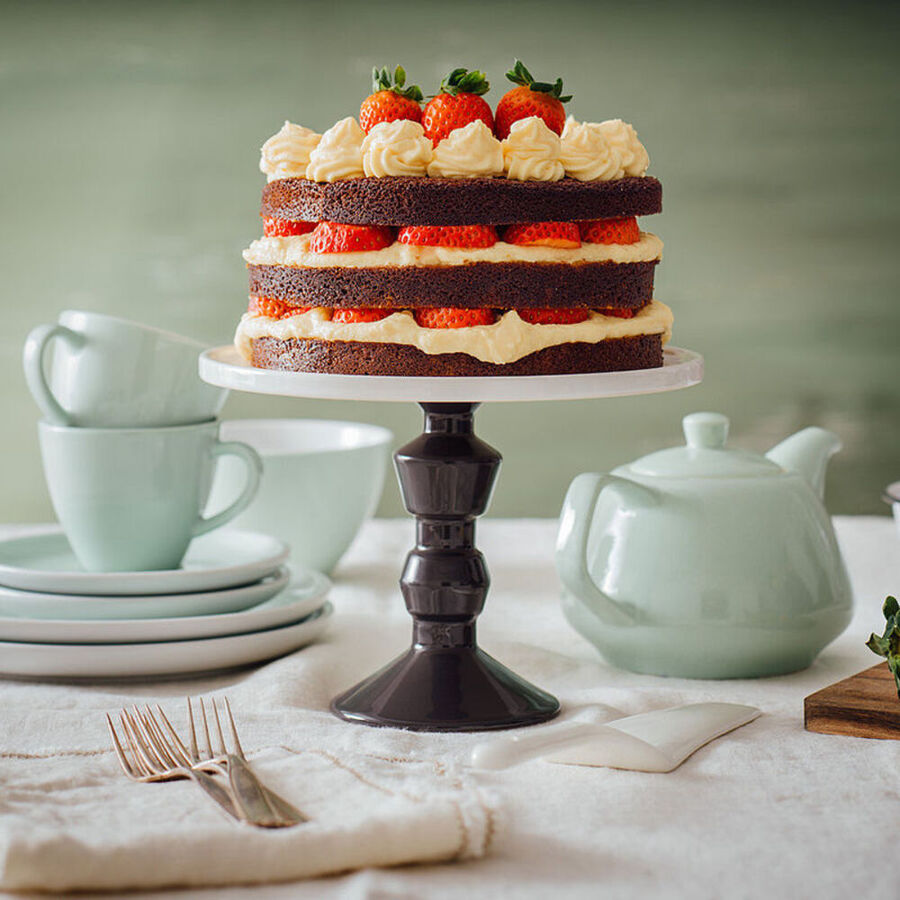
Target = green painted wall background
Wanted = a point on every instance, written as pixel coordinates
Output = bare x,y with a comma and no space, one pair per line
129,138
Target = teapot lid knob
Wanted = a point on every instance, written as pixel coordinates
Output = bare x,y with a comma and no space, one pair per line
705,429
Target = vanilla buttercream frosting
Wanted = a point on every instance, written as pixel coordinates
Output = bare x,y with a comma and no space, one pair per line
338,154
508,339
396,148
468,152
623,139
294,251
531,152
587,154
286,153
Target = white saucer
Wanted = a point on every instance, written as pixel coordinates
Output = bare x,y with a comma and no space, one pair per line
302,597
163,659
220,559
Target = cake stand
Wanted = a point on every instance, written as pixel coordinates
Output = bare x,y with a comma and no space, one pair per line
445,682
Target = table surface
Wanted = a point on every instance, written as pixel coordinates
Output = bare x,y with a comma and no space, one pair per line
769,811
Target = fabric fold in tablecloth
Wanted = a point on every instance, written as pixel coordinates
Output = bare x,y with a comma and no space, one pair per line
76,823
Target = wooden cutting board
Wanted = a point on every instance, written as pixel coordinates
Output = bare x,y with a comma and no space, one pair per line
864,705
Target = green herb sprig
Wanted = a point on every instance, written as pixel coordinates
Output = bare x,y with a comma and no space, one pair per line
888,645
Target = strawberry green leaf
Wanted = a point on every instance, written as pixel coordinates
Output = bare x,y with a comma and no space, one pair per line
462,81
518,74
383,80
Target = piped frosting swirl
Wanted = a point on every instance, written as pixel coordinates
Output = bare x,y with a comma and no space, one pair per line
587,154
531,152
623,139
286,153
468,152
396,148
338,154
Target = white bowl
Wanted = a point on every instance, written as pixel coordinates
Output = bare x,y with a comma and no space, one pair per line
321,481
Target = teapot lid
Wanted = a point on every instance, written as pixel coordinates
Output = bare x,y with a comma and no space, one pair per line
705,455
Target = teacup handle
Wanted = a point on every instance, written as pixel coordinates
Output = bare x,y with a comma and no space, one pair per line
254,471
36,344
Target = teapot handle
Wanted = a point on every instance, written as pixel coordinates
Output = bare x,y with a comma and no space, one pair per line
571,545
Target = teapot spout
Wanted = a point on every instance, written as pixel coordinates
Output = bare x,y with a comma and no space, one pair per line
807,452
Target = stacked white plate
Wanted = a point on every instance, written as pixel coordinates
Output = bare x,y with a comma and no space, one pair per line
232,603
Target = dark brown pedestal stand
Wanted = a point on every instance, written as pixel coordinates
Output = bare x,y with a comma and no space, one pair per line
445,682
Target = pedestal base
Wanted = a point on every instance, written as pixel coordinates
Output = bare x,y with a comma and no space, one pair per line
446,689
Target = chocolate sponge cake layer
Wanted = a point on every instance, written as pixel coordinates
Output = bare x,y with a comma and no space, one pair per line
459,201
497,285
360,358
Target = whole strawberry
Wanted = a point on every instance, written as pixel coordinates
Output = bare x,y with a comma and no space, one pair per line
530,98
458,104
390,99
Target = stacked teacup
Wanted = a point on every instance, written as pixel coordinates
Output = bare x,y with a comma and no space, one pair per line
129,440
132,585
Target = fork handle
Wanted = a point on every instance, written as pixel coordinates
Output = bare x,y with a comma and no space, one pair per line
215,790
266,807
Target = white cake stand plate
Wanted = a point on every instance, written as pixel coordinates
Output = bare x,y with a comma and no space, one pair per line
224,367
445,682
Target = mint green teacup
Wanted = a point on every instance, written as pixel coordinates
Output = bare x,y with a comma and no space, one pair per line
131,499
112,373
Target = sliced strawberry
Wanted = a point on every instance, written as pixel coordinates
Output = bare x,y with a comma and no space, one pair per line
336,237
554,316
462,236
285,227
544,234
348,316
391,99
611,231
274,309
618,313
453,317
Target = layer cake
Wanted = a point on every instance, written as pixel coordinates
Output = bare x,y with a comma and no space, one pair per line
456,239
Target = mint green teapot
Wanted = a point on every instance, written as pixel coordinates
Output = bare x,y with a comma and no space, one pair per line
703,561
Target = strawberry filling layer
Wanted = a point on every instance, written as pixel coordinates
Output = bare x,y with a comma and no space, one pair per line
433,317
334,237
502,338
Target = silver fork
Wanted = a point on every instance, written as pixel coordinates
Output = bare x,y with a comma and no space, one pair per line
147,758
268,808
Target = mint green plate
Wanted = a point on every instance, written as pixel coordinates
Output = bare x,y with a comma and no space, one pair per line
303,596
149,659
71,608
45,562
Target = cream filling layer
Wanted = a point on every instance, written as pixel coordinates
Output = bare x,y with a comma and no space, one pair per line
508,339
294,251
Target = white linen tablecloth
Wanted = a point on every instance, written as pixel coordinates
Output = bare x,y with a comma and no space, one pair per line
769,811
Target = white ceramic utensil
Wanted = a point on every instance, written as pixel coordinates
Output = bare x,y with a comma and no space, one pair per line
657,741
